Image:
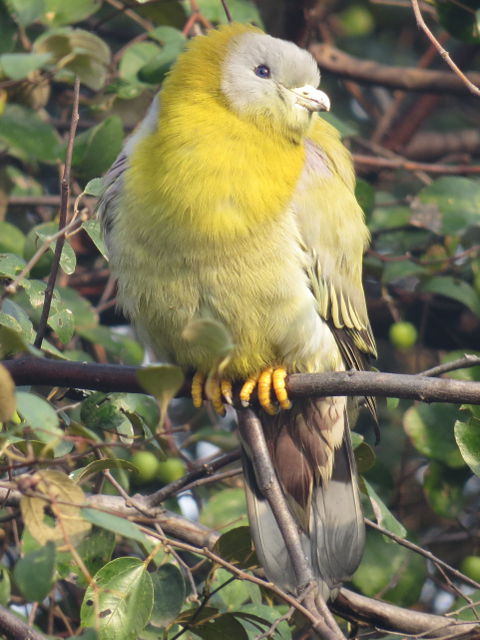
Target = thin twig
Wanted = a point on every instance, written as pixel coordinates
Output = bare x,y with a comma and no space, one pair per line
423,552
443,52
227,10
65,194
410,165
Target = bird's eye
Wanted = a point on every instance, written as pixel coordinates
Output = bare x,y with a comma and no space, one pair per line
262,71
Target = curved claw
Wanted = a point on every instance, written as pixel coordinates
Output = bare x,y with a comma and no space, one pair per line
267,380
213,392
198,382
278,384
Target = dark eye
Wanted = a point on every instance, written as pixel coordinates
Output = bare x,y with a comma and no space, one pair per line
262,71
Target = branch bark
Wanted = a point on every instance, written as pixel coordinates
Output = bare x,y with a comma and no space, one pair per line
333,60
13,628
109,377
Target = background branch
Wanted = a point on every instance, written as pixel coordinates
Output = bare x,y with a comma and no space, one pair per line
333,60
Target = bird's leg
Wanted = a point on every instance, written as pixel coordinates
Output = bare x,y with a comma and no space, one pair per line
215,389
271,378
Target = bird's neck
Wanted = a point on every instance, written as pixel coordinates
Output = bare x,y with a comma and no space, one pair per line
214,172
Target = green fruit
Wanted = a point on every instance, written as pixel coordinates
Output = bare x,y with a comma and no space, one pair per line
170,470
357,21
147,467
403,335
470,566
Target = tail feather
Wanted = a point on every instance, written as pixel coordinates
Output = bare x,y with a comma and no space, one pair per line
319,480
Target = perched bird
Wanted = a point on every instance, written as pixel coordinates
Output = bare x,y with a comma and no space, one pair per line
235,201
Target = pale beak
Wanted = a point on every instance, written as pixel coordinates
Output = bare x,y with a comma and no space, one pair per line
311,98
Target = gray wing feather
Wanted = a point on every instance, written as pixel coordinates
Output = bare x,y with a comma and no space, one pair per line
110,198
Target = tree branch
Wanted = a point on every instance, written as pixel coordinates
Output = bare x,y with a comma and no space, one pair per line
331,59
110,377
64,195
13,628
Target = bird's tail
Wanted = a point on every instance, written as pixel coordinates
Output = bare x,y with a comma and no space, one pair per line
311,451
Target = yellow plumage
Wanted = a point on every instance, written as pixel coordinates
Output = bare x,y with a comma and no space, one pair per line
235,202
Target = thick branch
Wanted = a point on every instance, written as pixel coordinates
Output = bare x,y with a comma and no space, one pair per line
13,628
389,617
408,78
109,377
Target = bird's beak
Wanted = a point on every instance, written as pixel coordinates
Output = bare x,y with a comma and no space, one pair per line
311,98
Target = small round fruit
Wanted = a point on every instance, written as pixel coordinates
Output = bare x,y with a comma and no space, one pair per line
470,566
147,467
403,335
170,470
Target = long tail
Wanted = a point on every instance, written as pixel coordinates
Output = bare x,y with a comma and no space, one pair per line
311,451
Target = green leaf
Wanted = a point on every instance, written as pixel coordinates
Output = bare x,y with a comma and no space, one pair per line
121,603
402,269
173,41
236,546
212,625
169,594
94,230
5,586
18,65
391,570
39,415
96,149
7,394
13,317
161,381
76,52
12,240
257,618
241,11
27,136
460,19
457,199
120,526
453,288
346,129
10,265
211,337
99,465
467,436
62,322
365,457
120,347
95,550
24,12
383,515
430,428
100,411
234,594
94,187
8,28
34,573
84,314
59,12
136,57
444,489
225,510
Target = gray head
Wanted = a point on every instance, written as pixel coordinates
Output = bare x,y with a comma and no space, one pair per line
272,81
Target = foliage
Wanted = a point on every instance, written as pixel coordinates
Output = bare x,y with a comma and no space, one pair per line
81,565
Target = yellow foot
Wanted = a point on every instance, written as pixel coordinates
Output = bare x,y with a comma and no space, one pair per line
216,390
267,380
